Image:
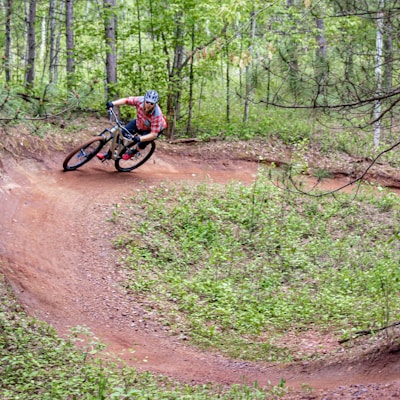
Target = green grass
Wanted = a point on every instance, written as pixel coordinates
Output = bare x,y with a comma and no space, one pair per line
36,364
233,265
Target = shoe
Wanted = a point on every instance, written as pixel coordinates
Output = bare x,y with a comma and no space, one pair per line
127,156
104,156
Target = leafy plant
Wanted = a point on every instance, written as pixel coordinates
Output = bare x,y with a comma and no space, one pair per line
238,263
36,364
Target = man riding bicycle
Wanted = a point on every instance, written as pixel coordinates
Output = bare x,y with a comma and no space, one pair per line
150,122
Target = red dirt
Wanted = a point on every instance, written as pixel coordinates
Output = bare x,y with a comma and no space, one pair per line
55,251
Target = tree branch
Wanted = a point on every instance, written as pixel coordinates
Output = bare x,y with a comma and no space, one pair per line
360,178
370,332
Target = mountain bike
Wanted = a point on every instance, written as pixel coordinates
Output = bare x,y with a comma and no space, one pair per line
121,141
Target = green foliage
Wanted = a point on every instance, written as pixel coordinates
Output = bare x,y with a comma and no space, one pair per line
321,173
231,265
201,59
36,364
290,127
286,126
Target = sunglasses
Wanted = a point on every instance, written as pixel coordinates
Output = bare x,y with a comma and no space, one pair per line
149,102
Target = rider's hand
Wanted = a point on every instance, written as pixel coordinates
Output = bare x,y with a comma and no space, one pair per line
136,139
109,105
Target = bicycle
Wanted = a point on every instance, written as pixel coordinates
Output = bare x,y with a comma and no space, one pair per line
121,142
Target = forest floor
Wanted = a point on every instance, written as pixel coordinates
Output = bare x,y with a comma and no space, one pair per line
56,252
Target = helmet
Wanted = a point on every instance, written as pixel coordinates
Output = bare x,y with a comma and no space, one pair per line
152,96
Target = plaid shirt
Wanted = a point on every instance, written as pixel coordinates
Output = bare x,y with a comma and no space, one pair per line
155,122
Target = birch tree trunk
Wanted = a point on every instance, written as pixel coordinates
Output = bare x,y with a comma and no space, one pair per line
388,54
378,71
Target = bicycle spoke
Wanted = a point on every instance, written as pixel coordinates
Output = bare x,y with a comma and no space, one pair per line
136,159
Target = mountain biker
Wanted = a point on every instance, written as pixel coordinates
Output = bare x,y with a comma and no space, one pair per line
150,122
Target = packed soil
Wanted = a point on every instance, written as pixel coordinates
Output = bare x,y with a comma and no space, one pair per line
56,252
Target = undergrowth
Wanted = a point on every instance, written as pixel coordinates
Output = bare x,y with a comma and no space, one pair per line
36,364
234,267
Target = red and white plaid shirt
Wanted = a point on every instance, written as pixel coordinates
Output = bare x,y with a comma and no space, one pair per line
154,122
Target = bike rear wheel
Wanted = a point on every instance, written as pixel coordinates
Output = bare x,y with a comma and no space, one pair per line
136,160
84,153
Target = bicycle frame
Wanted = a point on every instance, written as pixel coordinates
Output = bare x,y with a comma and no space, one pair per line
119,142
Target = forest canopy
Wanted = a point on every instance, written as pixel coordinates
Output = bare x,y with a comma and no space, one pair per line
221,67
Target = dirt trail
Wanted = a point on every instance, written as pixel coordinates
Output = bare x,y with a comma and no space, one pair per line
55,251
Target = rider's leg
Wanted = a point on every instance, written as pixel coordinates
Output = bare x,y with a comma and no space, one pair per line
131,127
143,145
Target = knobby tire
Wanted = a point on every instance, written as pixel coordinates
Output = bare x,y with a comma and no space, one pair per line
83,153
136,160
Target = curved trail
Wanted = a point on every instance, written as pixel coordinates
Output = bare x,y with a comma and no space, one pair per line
55,251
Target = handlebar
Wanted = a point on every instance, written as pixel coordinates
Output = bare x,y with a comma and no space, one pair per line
112,115
114,118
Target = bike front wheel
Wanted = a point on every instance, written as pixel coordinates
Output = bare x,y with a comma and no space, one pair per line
136,160
84,153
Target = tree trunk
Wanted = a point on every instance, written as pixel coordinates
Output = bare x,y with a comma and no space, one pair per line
7,50
111,46
378,71
31,46
70,45
292,61
191,83
141,90
174,86
58,43
43,48
52,39
321,68
228,83
388,53
248,68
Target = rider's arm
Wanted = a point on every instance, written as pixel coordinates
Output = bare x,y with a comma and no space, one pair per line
158,124
119,102
132,101
149,137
